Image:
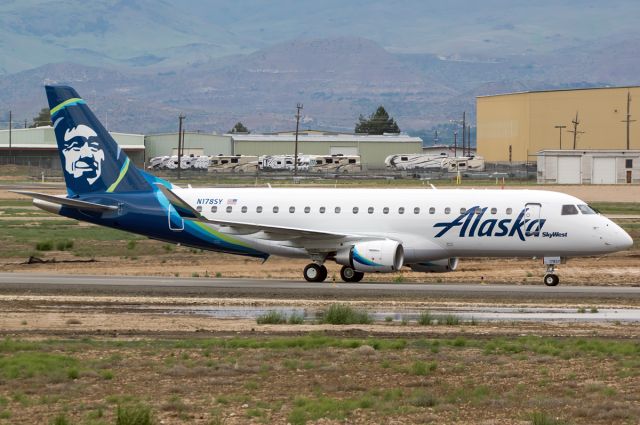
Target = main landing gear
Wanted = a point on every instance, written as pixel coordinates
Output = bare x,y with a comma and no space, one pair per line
315,272
350,275
318,273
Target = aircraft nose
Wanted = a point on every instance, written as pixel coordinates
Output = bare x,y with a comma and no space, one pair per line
619,239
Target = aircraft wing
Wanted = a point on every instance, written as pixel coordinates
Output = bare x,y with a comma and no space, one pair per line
68,202
186,211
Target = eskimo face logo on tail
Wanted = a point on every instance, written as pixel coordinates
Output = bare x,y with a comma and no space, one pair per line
472,224
83,154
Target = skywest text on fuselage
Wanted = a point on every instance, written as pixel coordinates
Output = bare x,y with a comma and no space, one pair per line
470,227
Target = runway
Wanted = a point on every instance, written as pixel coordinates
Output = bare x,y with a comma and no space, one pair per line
215,287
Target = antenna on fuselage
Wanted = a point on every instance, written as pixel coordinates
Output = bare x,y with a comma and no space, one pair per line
269,185
432,186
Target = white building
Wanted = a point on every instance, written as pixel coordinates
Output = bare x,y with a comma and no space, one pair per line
589,166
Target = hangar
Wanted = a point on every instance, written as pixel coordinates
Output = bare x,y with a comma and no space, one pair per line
514,127
37,147
195,143
589,167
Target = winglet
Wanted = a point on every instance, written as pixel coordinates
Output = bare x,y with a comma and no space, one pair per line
182,207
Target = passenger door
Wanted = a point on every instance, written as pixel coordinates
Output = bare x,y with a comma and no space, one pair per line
532,219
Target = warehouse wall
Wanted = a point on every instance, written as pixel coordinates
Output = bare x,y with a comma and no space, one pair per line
527,121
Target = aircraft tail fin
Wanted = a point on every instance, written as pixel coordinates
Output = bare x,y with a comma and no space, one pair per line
91,160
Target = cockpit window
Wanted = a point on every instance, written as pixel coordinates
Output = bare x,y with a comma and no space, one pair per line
586,209
569,210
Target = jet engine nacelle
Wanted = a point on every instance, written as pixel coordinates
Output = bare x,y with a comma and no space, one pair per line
383,256
438,266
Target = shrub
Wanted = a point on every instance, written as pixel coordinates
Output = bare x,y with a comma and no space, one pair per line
541,418
342,314
44,246
64,245
425,318
137,414
131,244
61,419
295,319
271,318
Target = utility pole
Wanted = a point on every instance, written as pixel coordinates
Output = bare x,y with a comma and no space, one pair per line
455,143
575,131
435,139
628,120
295,157
560,127
469,140
10,150
181,117
464,131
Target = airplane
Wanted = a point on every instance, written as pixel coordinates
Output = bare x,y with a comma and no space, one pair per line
364,230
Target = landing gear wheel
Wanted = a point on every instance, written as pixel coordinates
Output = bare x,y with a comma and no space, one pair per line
551,279
315,273
348,274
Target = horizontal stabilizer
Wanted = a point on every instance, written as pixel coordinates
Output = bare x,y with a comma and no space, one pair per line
67,202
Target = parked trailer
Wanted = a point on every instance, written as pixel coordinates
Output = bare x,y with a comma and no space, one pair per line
334,163
233,164
193,162
429,162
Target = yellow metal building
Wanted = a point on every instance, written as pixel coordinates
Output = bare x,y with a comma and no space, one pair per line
515,126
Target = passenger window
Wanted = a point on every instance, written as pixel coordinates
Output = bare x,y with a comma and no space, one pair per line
569,210
355,210
586,209
337,210
229,208
432,210
447,210
322,210
494,211
370,210
401,210
509,211
258,209
463,210
275,209
214,209
478,211
244,209
292,209
416,210
307,210
385,210
199,208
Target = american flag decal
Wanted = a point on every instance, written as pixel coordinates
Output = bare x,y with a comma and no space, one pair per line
232,201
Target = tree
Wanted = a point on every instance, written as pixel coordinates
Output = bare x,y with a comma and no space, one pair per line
378,123
239,128
43,118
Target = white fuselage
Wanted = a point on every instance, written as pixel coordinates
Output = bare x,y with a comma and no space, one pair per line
430,224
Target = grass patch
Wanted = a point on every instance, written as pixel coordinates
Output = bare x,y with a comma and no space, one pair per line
425,318
306,409
541,418
420,368
271,318
35,364
342,314
135,414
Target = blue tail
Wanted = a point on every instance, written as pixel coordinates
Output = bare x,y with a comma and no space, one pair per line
91,160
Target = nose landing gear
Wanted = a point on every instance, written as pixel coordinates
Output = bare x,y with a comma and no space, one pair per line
550,277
